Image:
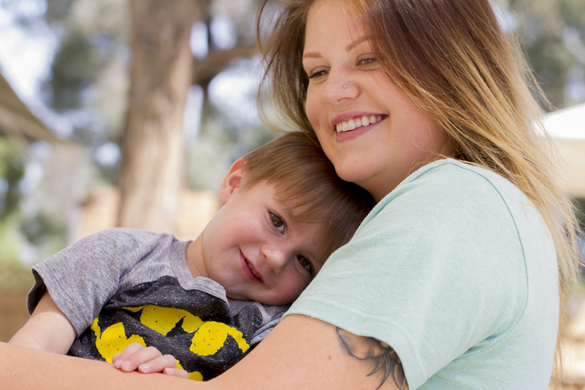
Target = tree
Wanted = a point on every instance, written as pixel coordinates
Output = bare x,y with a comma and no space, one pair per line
151,175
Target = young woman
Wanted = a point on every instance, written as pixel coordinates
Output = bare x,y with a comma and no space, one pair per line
453,281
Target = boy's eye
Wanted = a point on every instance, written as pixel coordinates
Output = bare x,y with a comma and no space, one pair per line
305,263
277,222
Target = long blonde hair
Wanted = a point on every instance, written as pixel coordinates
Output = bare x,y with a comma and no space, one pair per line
454,61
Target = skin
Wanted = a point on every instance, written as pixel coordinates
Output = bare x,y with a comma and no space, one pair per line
252,231
301,352
346,82
310,355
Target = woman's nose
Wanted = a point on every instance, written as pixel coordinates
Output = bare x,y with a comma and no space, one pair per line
339,87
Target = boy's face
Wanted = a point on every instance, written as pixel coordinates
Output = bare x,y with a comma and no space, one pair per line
254,248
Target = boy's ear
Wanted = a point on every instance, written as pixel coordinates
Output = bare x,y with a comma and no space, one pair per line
233,180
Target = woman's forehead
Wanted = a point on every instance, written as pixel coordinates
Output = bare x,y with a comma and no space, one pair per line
333,24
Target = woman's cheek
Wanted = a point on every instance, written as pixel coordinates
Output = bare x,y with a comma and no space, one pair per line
311,108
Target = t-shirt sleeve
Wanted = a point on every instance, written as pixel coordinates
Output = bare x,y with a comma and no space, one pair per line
436,270
82,277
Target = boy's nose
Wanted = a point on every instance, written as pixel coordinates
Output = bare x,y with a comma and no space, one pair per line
275,256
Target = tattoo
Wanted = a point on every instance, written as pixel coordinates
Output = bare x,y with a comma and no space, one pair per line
382,357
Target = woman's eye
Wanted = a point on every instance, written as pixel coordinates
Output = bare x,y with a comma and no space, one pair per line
305,263
277,222
367,61
317,74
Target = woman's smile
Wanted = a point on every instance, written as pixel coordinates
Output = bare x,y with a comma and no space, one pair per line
356,122
364,122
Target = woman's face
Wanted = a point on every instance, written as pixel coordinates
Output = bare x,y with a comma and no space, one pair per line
371,131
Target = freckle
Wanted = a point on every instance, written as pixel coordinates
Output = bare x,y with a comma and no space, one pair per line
329,357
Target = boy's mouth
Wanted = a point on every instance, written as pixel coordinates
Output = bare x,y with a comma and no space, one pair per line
357,122
253,272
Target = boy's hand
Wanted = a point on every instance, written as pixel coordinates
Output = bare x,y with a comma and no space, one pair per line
147,360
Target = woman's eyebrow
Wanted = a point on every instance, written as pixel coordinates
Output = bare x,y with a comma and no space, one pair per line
311,55
357,42
314,54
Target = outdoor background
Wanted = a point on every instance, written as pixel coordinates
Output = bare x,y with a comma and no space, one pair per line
143,105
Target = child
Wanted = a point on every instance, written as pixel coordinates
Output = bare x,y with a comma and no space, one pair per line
208,301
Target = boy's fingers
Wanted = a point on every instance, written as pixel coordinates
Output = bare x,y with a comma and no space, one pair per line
130,350
158,364
142,355
176,372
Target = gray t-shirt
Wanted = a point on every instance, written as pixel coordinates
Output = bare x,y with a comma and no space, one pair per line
126,285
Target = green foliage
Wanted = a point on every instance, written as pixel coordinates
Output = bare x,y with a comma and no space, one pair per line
553,36
45,232
11,172
74,69
58,10
9,241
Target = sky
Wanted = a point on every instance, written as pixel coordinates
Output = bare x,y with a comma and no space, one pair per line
24,58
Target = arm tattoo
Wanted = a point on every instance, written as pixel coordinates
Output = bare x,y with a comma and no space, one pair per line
378,354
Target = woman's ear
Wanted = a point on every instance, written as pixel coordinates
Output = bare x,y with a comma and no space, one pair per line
233,180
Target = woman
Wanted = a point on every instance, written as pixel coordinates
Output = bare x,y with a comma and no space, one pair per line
452,282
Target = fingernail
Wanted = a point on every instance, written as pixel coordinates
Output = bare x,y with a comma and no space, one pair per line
118,363
125,366
144,368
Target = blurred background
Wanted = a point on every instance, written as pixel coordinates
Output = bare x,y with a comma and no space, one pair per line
129,113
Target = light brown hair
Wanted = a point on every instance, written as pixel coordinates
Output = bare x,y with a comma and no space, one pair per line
304,177
454,61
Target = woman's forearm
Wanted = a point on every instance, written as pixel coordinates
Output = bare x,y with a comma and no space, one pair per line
301,353
23,368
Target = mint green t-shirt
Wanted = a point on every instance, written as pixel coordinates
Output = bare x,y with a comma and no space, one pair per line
456,270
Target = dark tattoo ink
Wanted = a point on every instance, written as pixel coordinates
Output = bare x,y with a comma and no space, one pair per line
379,355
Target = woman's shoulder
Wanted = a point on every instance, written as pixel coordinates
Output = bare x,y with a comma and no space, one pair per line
451,197
449,186
458,178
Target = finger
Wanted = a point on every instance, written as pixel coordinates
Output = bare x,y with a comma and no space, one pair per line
143,355
130,350
158,364
115,357
176,372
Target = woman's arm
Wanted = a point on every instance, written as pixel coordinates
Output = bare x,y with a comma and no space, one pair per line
301,353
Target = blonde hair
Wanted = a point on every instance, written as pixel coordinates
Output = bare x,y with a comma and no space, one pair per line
454,61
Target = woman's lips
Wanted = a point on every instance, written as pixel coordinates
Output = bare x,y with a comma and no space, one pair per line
249,269
357,122
346,135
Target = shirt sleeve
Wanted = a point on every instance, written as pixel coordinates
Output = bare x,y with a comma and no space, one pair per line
84,276
436,270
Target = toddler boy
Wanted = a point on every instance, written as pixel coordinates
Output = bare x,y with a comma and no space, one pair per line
208,301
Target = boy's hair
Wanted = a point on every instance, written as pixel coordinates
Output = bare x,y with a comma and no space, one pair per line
303,175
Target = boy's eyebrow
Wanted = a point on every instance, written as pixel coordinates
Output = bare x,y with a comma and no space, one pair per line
314,54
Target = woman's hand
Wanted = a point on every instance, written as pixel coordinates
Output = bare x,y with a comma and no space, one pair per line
147,360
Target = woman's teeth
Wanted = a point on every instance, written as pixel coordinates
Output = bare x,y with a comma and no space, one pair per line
357,122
